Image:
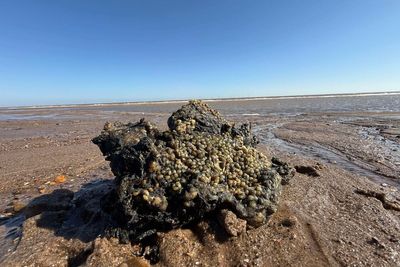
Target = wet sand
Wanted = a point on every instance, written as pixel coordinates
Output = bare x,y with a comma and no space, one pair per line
341,208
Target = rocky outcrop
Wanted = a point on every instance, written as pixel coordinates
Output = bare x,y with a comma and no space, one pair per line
201,165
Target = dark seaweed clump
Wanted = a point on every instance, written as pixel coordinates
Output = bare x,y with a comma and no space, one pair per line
202,164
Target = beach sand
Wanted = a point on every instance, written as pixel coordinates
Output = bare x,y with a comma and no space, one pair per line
342,208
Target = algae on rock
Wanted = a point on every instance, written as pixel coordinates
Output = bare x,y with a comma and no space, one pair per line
201,165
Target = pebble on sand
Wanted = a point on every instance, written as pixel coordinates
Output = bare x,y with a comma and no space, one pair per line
60,179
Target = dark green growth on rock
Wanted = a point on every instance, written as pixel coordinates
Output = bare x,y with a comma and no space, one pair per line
201,165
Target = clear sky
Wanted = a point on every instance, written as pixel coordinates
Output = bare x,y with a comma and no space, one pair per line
77,51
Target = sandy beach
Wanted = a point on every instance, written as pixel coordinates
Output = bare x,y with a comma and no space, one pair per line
342,208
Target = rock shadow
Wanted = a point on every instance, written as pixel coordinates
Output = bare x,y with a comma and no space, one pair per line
72,215
75,215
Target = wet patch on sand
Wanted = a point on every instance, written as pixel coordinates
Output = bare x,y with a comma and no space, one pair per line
326,153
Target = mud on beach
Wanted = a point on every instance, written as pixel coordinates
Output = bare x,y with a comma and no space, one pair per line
342,207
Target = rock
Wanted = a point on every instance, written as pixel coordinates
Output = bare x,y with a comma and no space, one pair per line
283,169
375,242
41,189
289,222
135,262
308,170
18,206
208,120
60,179
202,164
231,223
108,252
205,118
179,248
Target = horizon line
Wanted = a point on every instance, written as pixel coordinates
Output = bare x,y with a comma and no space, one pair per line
173,101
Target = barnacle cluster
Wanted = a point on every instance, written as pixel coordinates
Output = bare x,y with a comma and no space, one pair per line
202,164
220,162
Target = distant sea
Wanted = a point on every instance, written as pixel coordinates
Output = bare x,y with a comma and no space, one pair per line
285,105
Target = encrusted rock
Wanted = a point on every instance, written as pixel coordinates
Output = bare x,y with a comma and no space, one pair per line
205,119
283,169
231,223
203,164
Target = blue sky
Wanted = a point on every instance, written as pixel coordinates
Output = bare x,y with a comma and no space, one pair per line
76,51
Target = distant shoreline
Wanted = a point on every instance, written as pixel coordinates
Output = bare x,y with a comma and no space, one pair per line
177,101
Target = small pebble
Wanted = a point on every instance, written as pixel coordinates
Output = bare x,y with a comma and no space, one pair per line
60,179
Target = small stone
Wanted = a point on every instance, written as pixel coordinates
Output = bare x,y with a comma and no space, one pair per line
135,262
18,206
289,222
42,190
60,179
308,170
375,242
231,223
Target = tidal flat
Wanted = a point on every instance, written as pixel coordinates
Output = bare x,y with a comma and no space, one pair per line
342,207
